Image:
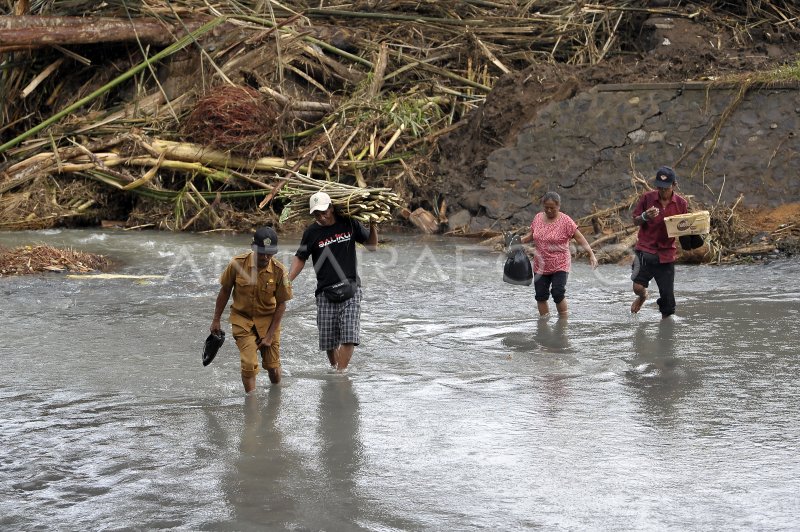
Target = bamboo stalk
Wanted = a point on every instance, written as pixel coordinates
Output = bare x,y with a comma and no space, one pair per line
391,16
379,71
214,217
164,194
625,231
85,205
194,218
35,82
391,142
343,147
197,153
150,174
488,53
448,74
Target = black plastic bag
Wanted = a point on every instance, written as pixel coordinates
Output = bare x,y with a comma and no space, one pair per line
213,343
691,241
517,269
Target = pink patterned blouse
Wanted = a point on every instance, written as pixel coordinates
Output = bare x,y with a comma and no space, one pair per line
552,243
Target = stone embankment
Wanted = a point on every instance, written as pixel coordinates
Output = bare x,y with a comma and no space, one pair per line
725,143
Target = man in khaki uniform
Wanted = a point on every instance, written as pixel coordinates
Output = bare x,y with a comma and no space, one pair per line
260,292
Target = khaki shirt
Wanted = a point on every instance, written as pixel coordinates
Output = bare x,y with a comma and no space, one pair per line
256,293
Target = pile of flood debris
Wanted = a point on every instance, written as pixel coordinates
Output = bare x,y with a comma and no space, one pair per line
43,258
200,116
185,115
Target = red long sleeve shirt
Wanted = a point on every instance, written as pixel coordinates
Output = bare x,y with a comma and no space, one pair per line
653,233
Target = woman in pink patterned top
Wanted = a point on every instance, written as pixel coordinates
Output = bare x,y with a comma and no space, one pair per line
551,231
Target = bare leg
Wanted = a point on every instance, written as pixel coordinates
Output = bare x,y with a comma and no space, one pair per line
274,373
344,355
543,308
641,292
561,307
332,356
249,383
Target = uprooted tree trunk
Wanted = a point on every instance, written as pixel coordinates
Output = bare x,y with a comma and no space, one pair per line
28,32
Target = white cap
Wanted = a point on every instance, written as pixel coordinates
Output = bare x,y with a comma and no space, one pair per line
319,202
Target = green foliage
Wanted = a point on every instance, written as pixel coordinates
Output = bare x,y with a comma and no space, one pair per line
419,115
789,72
180,208
784,73
286,213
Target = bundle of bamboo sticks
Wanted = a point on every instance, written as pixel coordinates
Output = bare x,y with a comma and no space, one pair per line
368,204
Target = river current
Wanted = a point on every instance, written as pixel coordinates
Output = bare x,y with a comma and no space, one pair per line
461,409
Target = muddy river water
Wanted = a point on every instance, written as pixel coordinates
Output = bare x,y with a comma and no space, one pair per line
461,410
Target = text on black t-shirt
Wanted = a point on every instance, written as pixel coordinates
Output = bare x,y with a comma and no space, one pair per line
333,250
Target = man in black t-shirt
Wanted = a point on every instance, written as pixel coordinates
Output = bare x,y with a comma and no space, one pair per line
331,243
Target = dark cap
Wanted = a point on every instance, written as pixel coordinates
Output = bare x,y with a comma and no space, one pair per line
265,240
665,177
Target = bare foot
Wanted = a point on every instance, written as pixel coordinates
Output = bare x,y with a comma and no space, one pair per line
637,303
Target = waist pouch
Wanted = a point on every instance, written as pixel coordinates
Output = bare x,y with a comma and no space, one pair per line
339,292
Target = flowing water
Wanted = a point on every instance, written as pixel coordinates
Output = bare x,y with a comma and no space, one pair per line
461,410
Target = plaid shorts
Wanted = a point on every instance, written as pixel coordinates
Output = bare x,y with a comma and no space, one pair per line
338,323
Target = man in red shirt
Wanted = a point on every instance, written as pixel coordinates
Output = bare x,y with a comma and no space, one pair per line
655,251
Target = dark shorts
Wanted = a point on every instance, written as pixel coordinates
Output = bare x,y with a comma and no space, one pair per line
645,267
554,284
338,323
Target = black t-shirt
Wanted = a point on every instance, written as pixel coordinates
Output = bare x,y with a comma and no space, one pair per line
333,250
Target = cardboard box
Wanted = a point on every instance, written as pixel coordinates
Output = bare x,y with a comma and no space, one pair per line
693,223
